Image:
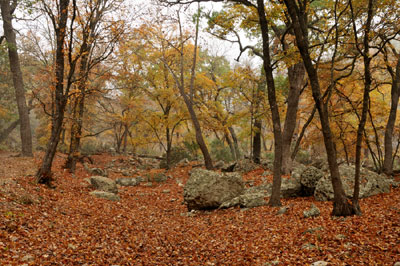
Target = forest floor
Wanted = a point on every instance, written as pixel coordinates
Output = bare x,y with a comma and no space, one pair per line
151,226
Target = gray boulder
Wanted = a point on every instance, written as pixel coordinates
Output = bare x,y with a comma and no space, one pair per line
290,187
370,184
297,169
127,182
267,164
251,197
319,263
105,195
309,179
247,200
321,163
104,184
245,166
208,190
253,200
220,164
312,212
95,171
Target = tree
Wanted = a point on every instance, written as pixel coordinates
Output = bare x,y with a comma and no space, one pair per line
179,79
298,15
143,72
25,128
395,94
92,52
59,22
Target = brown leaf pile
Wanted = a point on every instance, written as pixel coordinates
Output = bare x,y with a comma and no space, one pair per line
151,226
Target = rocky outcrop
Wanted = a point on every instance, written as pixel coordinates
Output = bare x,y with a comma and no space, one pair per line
95,171
105,195
208,189
370,184
245,166
104,184
309,179
319,263
129,181
290,187
313,211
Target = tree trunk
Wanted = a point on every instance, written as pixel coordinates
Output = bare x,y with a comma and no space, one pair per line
4,134
189,100
44,175
125,139
302,132
296,75
23,112
275,199
238,155
365,103
169,146
395,93
257,140
341,205
197,128
230,144
76,132
78,110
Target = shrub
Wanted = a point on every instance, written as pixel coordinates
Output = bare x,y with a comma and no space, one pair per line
192,148
303,157
89,147
220,152
177,154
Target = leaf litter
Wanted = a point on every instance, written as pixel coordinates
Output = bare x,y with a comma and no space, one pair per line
67,226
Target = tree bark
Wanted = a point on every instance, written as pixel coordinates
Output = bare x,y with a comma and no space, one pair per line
341,205
189,100
257,140
365,103
4,134
44,175
395,94
23,111
275,199
296,75
76,133
230,144
168,151
238,155
79,108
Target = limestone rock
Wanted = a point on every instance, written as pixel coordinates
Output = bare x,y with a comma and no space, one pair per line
290,187
104,184
312,212
309,179
370,184
105,195
208,189
319,263
218,165
251,197
127,182
245,166
95,171
282,210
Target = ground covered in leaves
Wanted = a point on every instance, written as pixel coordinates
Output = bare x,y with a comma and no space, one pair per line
151,226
